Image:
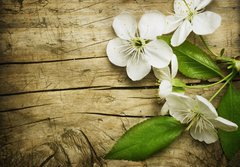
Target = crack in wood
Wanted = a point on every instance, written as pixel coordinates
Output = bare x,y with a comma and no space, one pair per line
47,160
103,87
30,123
116,115
94,157
23,108
82,88
49,61
52,90
62,52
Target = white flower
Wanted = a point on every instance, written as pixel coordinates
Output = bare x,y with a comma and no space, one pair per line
190,16
166,76
136,46
201,116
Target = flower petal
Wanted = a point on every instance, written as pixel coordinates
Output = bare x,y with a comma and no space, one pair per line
181,33
151,25
224,124
202,4
165,109
206,132
172,22
206,108
158,53
181,8
206,23
174,66
162,73
138,69
125,26
179,106
115,52
165,88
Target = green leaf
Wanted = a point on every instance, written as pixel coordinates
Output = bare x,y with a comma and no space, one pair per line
178,83
146,138
229,108
178,89
222,52
194,62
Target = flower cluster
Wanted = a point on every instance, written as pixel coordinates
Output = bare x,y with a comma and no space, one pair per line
138,48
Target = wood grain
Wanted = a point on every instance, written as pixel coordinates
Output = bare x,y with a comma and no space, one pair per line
62,103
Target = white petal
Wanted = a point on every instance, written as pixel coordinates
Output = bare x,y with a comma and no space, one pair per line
202,4
138,69
172,22
224,124
174,66
151,25
158,53
206,108
206,23
180,7
208,133
196,3
162,73
181,33
165,88
165,109
179,106
115,52
125,26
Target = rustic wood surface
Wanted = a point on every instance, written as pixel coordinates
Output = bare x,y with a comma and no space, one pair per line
62,103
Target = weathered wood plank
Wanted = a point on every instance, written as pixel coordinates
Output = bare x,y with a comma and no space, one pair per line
52,129
63,103
73,34
35,109
71,143
120,101
73,74
65,75
105,113
36,106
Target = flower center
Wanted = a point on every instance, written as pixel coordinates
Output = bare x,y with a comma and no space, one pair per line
193,117
191,14
138,42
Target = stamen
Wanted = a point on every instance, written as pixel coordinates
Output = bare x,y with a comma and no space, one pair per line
189,9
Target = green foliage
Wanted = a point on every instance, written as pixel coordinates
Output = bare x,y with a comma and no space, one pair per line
146,138
222,52
194,62
229,108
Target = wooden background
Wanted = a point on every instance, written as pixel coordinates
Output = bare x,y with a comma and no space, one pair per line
62,103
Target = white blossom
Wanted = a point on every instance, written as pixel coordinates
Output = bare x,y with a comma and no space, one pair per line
136,46
200,115
165,76
190,16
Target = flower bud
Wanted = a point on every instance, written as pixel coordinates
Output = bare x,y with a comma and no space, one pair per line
237,65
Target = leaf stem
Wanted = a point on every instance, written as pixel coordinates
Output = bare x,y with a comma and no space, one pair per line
205,44
221,88
210,85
